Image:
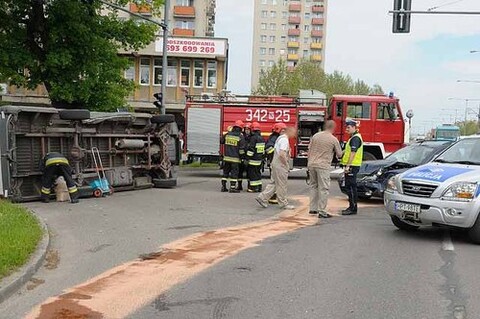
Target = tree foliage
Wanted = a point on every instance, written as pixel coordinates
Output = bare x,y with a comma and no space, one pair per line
71,46
310,76
468,128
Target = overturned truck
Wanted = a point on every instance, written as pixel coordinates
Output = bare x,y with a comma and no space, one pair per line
137,150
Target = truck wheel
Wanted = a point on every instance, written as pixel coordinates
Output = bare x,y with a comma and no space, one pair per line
368,156
474,232
74,115
162,119
402,225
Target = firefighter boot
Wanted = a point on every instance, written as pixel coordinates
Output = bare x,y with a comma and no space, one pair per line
74,198
240,186
45,198
224,187
258,189
233,187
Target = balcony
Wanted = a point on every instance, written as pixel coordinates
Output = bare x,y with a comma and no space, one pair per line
316,45
183,12
290,68
316,57
184,32
295,7
293,44
292,57
294,32
145,9
318,21
294,20
318,9
317,33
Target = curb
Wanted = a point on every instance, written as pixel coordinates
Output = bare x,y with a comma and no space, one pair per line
12,283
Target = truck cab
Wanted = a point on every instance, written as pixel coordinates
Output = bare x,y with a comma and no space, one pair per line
380,119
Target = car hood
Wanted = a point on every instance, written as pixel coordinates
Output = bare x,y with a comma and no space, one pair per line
372,167
440,173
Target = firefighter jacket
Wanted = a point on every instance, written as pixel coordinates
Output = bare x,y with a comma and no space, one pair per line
53,159
234,143
256,149
270,146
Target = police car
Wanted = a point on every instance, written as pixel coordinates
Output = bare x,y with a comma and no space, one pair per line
445,192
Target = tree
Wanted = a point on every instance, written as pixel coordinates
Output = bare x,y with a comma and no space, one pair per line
71,47
468,128
310,76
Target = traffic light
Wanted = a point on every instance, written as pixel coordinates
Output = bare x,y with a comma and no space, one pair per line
159,98
401,21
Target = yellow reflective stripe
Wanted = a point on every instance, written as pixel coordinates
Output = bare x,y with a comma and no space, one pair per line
72,189
270,150
231,159
45,191
241,152
254,163
250,153
255,183
56,160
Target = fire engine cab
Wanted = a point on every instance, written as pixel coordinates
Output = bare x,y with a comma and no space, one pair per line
208,117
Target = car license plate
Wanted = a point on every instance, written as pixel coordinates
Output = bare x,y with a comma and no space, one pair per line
406,207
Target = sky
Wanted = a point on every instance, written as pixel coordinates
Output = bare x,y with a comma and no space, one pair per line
421,68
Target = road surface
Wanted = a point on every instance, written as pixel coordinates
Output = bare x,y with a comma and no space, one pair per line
242,262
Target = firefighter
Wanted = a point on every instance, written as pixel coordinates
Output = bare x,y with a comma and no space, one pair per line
54,165
234,153
255,154
270,149
244,164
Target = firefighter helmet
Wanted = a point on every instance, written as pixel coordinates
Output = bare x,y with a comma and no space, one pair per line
248,125
239,123
278,127
256,126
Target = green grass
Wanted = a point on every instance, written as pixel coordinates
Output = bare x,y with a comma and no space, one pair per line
19,236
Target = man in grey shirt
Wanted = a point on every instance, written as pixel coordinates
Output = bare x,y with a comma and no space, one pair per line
323,146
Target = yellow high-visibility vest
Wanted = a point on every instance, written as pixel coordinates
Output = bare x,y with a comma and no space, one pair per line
357,160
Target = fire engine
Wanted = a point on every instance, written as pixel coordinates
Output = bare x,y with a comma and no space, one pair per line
380,117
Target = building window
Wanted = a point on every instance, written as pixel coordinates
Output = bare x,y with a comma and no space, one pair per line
185,3
145,71
274,2
273,26
172,77
264,14
263,38
264,26
290,63
271,51
212,75
157,71
292,51
185,73
307,15
285,3
283,38
293,38
282,51
318,15
185,25
273,14
317,27
198,76
305,40
272,38
284,27
264,1
317,40
263,63
306,54
263,51
130,71
284,14
271,63
306,27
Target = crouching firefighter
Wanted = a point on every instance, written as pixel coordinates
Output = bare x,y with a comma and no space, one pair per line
53,166
234,152
270,150
255,154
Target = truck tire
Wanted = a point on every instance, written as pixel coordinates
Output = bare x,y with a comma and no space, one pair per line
74,115
369,156
402,225
164,183
474,232
163,119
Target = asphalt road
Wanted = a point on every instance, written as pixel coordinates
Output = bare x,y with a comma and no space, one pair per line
346,267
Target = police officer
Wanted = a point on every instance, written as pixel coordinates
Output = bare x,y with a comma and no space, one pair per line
255,154
54,165
351,161
244,164
234,152
270,150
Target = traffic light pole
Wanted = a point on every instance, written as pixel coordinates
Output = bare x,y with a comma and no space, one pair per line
435,12
165,56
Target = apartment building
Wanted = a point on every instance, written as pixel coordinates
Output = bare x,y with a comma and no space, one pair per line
197,62
291,30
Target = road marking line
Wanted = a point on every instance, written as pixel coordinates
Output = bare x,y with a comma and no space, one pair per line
447,243
122,290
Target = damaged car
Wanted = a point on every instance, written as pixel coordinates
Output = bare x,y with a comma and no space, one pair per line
373,175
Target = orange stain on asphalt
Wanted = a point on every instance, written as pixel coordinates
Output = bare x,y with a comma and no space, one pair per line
124,289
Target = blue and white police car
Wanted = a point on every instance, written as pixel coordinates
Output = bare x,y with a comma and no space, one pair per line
445,192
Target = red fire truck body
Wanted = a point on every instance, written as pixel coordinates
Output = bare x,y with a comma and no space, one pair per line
380,117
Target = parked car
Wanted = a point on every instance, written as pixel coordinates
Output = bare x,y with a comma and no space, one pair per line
373,175
444,192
